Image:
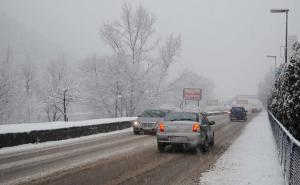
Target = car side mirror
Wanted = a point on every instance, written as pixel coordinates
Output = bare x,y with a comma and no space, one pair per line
212,123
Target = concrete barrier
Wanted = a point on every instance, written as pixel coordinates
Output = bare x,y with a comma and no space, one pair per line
13,139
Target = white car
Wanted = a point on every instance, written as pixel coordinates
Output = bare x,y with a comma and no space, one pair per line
185,129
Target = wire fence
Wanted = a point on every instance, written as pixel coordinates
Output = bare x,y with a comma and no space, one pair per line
288,151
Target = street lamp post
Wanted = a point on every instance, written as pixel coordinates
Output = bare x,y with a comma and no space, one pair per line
273,56
286,11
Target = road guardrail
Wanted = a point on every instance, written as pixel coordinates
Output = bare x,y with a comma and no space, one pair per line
288,151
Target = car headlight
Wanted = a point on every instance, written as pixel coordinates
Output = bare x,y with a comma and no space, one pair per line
136,123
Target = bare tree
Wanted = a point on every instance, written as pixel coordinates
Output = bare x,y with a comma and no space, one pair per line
28,74
61,90
7,87
29,83
132,35
105,81
168,52
92,85
133,38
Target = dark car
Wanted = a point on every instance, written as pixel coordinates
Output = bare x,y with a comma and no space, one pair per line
147,121
238,113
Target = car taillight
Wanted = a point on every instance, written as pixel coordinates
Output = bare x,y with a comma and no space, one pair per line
161,127
196,127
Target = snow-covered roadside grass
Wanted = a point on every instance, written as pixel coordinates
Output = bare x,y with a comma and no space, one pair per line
53,144
27,127
251,159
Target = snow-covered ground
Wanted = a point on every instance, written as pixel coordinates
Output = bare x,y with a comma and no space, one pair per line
251,159
27,127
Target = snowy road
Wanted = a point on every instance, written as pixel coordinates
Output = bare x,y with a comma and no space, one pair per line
120,158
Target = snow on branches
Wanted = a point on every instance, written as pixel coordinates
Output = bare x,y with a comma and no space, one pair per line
285,99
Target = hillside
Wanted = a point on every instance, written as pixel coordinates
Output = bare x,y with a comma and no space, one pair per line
25,42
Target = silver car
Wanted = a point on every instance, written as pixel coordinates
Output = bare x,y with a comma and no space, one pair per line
185,129
147,121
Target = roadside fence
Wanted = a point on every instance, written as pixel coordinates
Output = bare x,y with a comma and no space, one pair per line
288,151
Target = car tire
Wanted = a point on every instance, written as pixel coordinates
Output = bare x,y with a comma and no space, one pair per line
161,147
212,143
153,133
205,147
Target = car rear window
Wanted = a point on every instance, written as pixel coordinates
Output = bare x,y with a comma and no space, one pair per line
153,113
182,116
237,109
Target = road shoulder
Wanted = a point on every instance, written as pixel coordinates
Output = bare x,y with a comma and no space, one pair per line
251,159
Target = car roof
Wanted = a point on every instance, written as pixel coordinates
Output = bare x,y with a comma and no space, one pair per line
188,112
238,107
157,110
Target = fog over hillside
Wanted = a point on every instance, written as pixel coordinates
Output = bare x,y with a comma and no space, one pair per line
87,49
25,42
218,36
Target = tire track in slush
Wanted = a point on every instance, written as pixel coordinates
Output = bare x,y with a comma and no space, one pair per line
147,166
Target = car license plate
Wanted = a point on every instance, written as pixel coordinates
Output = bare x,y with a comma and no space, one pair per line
149,125
177,138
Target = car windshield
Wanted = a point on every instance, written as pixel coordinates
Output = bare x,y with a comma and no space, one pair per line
154,113
182,116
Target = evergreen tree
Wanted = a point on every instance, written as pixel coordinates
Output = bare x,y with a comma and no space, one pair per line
285,103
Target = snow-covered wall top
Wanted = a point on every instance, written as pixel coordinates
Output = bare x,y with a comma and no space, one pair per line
27,127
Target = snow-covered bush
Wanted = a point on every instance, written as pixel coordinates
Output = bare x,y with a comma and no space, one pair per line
285,99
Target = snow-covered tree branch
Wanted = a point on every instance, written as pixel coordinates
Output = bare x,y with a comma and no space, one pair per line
60,89
134,72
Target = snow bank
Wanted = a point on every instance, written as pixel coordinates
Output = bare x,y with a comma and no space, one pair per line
251,159
28,127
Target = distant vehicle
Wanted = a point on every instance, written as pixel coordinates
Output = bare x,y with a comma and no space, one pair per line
147,121
186,130
255,110
238,113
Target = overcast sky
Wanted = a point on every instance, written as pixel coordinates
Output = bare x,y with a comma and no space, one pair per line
224,40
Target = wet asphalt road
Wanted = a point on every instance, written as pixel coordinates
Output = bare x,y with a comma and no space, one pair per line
116,159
